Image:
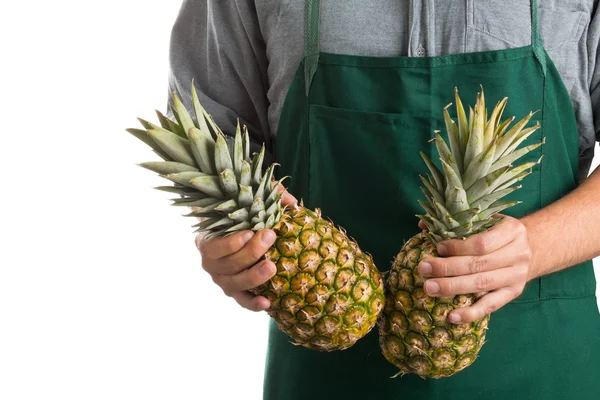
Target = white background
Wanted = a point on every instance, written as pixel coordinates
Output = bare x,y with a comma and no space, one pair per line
101,291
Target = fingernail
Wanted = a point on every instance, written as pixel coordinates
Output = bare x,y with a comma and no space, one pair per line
442,249
454,318
432,287
267,238
246,237
425,268
265,270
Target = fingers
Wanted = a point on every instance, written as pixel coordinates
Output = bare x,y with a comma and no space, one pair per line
232,263
486,242
251,302
476,283
287,199
231,255
463,265
247,279
215,248
496,262
249,255
484,306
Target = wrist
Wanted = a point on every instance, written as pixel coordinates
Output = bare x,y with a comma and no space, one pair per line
535,266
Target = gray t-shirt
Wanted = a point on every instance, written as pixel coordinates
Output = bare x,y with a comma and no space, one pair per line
242,54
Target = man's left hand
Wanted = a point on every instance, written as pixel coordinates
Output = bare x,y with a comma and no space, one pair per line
497,261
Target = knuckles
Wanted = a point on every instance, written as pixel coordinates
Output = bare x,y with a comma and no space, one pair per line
256,251
223,284
206,246
199,241
470,314
519,228
517,290
447,287
206,268
525,255
232,284
483,282
477,265
521,274
490,308
482,244
232,244
255,279
440,267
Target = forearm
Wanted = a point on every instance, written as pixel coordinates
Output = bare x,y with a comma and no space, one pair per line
566,232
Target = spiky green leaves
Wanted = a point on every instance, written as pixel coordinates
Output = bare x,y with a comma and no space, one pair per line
477,169
226,187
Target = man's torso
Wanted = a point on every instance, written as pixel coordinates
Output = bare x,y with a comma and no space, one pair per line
432,28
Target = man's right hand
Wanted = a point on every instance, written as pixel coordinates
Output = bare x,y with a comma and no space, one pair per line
236,262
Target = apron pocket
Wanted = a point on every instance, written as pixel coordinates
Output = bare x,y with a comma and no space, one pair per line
364,172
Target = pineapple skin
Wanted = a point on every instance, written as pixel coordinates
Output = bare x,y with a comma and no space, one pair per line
463,199
327,293
414,333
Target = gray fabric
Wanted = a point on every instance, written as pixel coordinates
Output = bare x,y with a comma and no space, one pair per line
243,54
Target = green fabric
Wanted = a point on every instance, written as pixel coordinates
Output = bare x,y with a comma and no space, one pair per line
352,148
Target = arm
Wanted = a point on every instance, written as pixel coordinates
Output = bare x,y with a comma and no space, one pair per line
218,45
502,260
566,232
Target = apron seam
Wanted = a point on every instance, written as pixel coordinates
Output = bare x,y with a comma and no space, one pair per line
553,298
309,143
442,65
542,169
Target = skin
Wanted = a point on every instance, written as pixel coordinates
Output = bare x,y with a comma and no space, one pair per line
235,262
502,260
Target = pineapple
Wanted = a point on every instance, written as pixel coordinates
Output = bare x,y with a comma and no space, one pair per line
462,200
326,293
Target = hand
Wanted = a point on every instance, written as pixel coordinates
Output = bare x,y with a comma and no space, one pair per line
234,262
497,261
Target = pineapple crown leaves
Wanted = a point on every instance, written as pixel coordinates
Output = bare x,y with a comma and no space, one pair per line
226,187
477,171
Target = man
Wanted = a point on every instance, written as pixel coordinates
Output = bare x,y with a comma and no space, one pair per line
293,70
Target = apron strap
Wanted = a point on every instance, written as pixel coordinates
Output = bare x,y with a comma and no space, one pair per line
537,43
311,41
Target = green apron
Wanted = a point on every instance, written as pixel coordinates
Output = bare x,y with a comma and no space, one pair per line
349,136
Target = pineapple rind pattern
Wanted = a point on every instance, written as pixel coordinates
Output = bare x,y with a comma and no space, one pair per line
415,335
327,293
462,198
